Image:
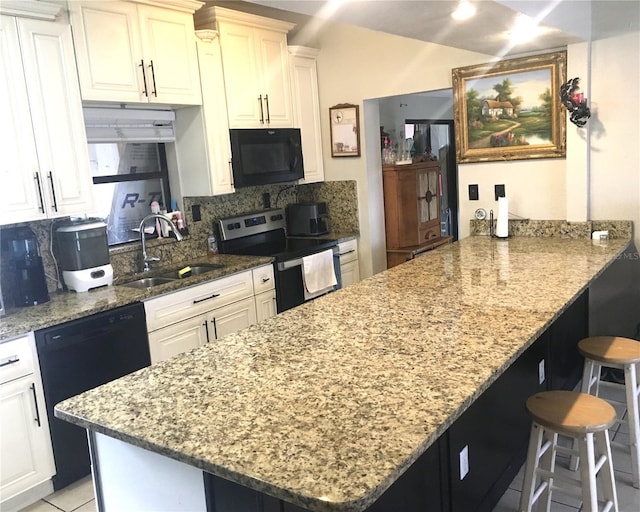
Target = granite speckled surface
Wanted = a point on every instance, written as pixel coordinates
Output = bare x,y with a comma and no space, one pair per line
557,228
65,306
126,259
325,405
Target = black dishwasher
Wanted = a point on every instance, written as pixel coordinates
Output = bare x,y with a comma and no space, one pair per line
80,355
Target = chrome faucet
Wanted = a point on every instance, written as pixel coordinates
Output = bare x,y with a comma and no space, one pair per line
146,260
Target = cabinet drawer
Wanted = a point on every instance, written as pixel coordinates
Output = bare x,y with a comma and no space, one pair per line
189,302
16,359
263,279
348,251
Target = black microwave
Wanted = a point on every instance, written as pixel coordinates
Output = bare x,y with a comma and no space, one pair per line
260,156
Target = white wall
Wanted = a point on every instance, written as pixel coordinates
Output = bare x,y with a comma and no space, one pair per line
355,65
615,130
599,179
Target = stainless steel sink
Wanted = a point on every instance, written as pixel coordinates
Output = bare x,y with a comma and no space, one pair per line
149,282
195,270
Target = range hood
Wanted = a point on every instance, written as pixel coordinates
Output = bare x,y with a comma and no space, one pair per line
129,125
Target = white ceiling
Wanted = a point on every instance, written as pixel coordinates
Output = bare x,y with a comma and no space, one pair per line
567,21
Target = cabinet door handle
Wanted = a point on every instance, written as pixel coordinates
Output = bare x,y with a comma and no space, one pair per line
266,99
144,78
215,328
347,252
35,402
266,279
153,77
36,176
53,192
213,296
9,360
261,109
206,330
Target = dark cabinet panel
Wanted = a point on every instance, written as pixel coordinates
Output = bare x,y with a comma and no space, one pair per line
225,496
420,489
564,335
492,435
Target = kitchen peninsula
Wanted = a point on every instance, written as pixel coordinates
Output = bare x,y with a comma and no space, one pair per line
327,405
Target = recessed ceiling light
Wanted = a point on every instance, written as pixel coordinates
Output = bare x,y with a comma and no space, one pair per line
464,11
524,29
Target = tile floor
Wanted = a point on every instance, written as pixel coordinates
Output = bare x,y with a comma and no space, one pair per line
628,496
79,497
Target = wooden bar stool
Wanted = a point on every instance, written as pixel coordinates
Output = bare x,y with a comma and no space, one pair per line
624,354
584,418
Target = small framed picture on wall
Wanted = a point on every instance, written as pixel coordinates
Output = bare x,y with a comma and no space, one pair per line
345,130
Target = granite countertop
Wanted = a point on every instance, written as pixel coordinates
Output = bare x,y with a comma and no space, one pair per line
325,405
70,305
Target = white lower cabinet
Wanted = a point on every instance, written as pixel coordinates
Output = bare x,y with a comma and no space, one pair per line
25,444
189,318
264,286
231,318
266,305
177,338
349,266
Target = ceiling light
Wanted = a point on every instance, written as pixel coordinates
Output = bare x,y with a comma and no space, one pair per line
524,30
464,11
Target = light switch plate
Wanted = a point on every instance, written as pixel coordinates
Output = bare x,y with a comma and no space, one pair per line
464,462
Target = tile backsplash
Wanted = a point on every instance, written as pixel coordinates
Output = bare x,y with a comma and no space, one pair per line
340,196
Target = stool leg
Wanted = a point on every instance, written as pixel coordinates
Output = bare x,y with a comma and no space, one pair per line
548,462
631,388
531,465
590,376
607,478
588,473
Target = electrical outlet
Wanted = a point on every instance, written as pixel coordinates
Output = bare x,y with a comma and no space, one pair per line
195,213
500,191
541,375
464,462
473,193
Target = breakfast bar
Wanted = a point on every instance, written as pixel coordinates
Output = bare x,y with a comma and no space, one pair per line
327,406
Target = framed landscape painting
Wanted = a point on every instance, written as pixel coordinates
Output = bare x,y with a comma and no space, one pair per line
510,109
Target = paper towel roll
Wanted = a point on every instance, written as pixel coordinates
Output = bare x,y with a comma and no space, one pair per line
502,224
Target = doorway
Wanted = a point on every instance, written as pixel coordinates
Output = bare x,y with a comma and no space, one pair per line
436,137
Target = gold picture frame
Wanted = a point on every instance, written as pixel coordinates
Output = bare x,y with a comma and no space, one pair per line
510,109
345,130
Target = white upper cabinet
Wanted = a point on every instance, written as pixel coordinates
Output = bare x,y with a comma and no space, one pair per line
131,53
255,61
45,165
202,146
306,110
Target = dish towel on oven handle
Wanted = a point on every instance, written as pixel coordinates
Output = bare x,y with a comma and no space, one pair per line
318,274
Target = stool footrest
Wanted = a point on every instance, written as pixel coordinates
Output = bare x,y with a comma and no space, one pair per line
546,475
540,489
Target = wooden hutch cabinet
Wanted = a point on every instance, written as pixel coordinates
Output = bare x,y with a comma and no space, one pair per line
411,210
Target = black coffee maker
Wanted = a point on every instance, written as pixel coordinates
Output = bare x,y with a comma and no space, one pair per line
29,285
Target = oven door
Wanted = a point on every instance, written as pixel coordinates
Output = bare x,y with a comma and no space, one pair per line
290,285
